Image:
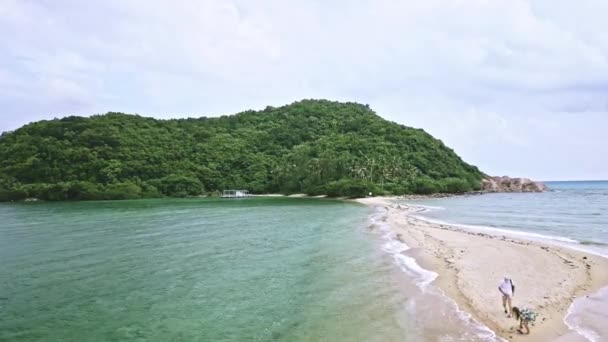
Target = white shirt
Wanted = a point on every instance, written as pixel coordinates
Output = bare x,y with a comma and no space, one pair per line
506,287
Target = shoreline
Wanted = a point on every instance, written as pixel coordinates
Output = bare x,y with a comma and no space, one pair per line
470,264
294,195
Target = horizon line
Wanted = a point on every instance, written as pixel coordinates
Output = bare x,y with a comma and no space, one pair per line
577,180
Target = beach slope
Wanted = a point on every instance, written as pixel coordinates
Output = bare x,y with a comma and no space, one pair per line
471,263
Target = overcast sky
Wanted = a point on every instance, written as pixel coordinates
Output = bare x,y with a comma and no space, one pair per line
515,87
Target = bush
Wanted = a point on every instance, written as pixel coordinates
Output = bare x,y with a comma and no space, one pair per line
316,190
12,194
84,191
425,186
256,187
178,186
54,192
149,191
78,190
37,190
475,184
120,191
349,188
455,185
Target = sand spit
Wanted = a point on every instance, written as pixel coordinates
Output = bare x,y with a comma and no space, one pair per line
471,263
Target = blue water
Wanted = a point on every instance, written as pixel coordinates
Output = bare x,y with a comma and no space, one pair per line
575,213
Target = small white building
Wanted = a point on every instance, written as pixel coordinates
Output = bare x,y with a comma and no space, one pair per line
235,193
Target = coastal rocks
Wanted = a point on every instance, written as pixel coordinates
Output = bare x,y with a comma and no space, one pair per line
508,184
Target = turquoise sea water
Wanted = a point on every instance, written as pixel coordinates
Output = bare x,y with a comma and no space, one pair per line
257,269
195,270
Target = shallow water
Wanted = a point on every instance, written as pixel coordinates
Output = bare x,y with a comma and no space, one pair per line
267,269
273,269
435,316
195,270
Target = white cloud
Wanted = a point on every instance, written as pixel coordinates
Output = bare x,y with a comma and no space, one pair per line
485,76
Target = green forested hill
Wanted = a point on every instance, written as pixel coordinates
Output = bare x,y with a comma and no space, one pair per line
311,146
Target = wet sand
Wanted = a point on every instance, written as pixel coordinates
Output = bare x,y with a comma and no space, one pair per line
471,263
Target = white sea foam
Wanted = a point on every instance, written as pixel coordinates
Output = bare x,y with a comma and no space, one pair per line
480,330
423,278
572,321
396,248
501,231
428,207
408,264
587,316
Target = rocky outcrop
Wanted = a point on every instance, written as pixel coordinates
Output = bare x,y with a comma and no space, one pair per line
508,184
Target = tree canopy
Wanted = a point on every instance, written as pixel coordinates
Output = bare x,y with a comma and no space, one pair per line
310,146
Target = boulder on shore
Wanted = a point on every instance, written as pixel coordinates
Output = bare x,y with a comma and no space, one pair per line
508,184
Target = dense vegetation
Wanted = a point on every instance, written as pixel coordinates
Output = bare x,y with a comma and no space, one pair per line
311,146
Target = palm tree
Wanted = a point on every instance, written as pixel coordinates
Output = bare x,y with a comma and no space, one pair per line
371,162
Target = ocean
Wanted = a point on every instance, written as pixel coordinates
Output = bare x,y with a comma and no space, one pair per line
270,269
255,269
258,269
572,214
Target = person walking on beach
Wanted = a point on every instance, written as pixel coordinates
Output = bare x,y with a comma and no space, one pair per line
507,289
524,316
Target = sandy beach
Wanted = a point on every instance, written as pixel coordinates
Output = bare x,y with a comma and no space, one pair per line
471,263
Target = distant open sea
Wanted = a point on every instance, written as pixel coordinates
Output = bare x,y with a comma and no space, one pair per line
572,214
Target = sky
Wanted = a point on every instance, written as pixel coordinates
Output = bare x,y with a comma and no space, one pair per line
516,87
